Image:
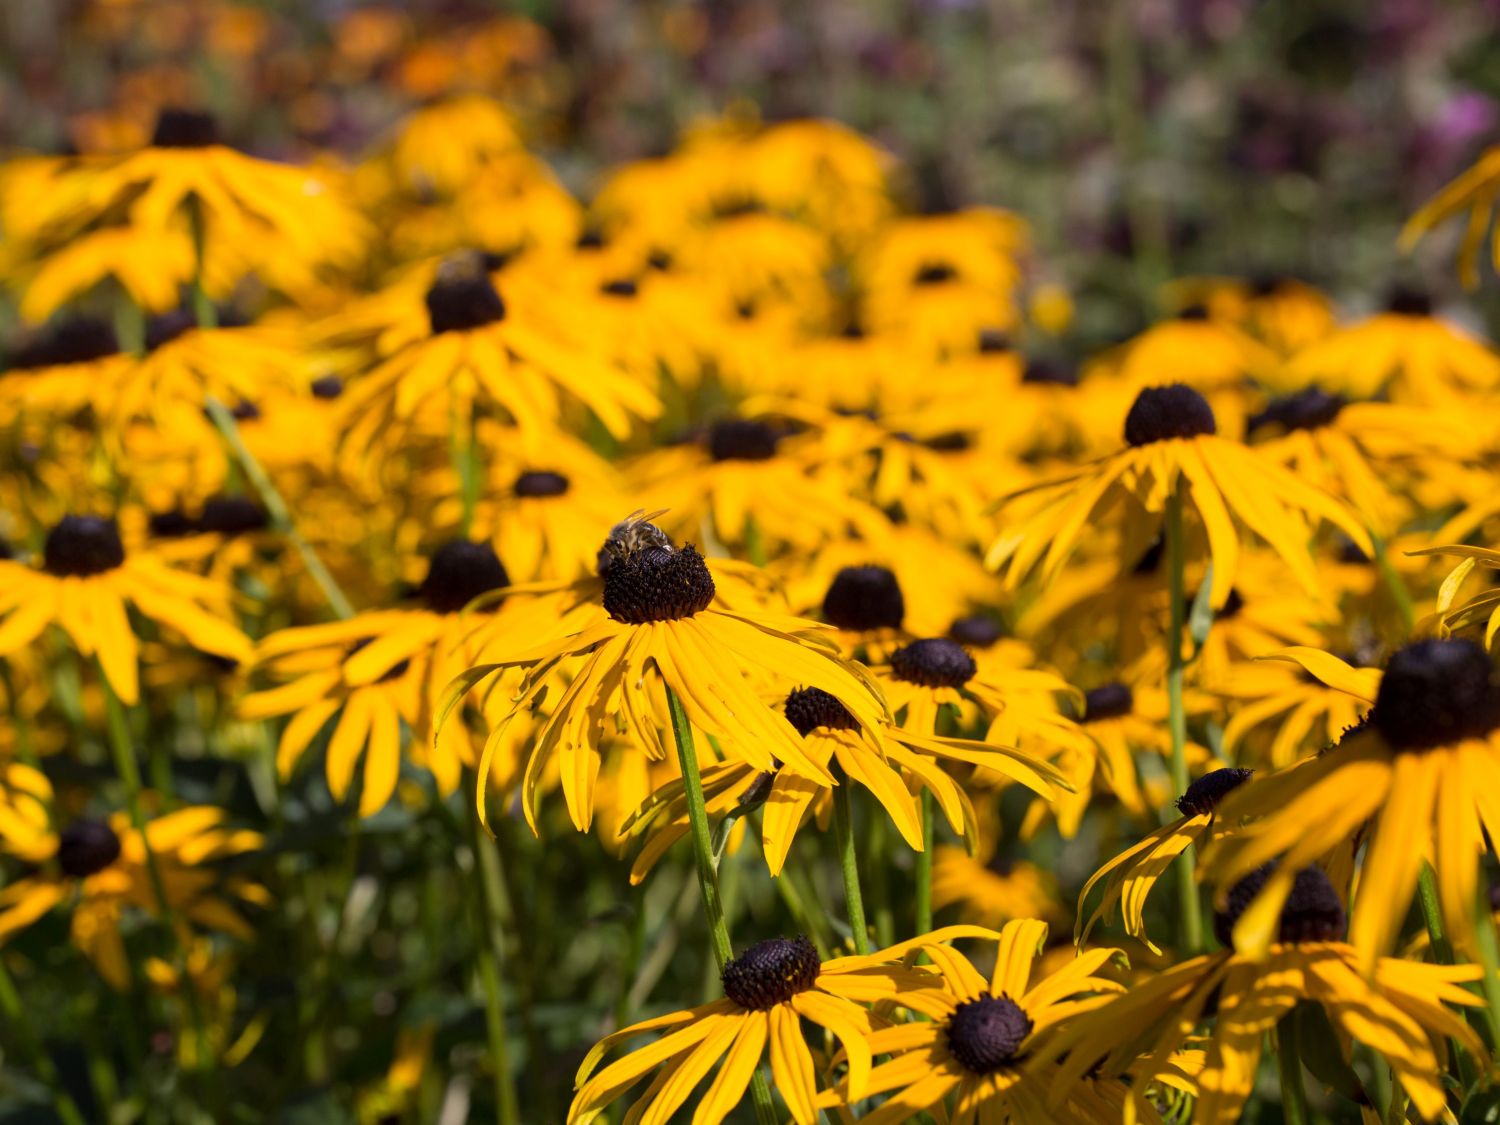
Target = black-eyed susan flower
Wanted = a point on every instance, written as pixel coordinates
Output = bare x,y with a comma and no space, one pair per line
100,869
768,991
1474,192
479,347
1420,772
976,1048
1406,351
377,671
665,627
888,761
1130,876
1308,697
1282,312
1398,1008
1171,442
84,585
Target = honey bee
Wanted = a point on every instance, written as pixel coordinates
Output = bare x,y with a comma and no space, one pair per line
634,533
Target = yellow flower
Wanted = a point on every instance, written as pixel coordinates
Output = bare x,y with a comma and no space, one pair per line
376,671
1170,438
84,585
1475,191
768,991
1421,771
1315,700
888,761
1397,1007
1406,351
1131,875
100,868
665,628
979,1040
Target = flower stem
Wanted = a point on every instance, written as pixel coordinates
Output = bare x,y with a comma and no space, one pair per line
130,776
1488,948
281,516
843,832
1191,920
486,942
1442,953
1396,586
708,877
41,1062
1294,1109
924,867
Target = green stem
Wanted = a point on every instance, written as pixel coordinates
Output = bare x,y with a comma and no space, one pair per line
1442,953
41,1062
843,832
1396,585
877,873
276,508
708,878
1294,1109
466,464
204,312
1191,920
487,954
123,751
924,867
1489,956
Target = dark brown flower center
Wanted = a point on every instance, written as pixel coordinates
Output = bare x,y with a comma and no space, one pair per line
1406,300
809,709
1308,409
541,484
463,297
86,847
657,584
985,1034
184,128
1051,372
78,339
977,630
1163,413
742,439
771,972
1436,692
1312,912
80,546
459,572
861,598
934,662
233,515
1203,796
934,273
1107,702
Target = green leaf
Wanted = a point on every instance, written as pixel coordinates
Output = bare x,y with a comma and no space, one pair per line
1202,616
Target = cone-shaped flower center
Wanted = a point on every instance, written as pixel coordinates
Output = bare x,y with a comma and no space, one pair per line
1312,912
1407,301
1306,410
809,709
184,128
463,296
656,583
771,972
620,287
741,439
327,387
985,1034
86,847
861,598
977,630
935,662
459,572
167,327
993,341
1436,692
1194,312
1051,372
1162,413
934,273
1107,702
80,546
541,484
78,339
1203,796
233,515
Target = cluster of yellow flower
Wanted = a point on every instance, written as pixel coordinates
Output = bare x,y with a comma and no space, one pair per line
741,503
